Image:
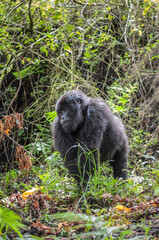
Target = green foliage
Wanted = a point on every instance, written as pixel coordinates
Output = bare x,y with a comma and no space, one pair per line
54,178
24,73
9,221
43,143
100,227
51,116
120,97
10,177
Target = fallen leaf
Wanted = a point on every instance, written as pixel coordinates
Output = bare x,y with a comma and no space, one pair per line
62,224
122,208
7,131
29,192
39,226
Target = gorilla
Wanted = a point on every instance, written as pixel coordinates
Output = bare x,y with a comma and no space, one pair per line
85,132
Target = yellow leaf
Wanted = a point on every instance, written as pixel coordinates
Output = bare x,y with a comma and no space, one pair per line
29,192
7,131
122,208
110,17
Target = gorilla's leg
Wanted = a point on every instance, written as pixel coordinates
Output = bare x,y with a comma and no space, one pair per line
119,164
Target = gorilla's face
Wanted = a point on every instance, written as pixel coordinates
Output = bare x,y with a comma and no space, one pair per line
70,108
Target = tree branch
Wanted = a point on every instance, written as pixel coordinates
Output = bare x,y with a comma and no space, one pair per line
30,17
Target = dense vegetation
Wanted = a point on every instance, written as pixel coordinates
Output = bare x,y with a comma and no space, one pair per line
108,49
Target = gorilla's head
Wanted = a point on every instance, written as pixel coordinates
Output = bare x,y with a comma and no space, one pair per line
71,110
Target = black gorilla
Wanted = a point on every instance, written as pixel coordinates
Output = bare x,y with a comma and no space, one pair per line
85,127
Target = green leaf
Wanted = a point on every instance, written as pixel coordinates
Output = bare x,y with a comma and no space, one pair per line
44,50
10,221
87,54
69,27
23,73
51,116
56,15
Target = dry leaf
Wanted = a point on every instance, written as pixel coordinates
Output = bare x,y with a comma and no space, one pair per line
29,192
122,208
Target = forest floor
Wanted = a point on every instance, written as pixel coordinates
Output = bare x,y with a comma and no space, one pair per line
54,208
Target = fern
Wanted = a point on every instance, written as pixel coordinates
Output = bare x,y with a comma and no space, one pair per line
9,221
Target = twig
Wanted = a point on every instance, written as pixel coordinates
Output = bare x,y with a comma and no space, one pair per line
75,1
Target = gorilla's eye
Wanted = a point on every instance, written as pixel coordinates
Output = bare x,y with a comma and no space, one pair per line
62,111
78,100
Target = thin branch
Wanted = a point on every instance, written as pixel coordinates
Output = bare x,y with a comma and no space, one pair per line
80,3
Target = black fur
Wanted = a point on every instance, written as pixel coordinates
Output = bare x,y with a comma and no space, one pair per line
83,126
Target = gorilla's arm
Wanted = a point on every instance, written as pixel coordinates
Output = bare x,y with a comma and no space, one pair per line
94,126
62,141
66,144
